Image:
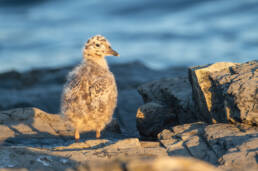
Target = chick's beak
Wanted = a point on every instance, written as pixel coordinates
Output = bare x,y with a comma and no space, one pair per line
113,52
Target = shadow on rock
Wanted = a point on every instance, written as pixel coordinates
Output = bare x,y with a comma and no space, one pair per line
34,128
218,144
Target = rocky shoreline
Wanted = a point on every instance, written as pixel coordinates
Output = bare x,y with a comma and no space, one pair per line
209,113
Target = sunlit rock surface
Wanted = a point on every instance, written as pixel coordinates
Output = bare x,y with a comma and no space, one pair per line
229,146
238,89
226,92
36,127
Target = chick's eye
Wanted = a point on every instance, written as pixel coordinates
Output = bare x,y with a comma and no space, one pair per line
98,45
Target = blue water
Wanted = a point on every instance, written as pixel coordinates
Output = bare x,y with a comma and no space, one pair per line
158,33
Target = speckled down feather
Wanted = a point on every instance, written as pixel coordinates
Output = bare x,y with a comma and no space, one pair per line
90,95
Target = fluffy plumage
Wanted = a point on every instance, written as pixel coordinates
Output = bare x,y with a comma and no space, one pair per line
90,93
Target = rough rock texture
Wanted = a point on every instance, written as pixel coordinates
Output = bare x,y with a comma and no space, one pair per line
238,89
229,146
153,118
217,90
167,100
226,92
33,139
36,140
170,91
200,79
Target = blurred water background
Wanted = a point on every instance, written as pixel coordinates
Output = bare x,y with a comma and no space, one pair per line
51,33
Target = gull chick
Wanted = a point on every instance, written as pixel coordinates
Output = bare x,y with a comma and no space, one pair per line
90,93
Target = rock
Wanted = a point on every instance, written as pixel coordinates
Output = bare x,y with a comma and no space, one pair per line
153,148
201,84
30,122
228,146
27,158
238,89
174,93
235,146
153,118
167,101
167,91
226,92
31,125
36,140
151,163
105,148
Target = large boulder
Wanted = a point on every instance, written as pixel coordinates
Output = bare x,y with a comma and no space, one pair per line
226,92
238,89
167,101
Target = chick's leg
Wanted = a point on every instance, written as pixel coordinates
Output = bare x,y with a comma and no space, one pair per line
77,135
98,133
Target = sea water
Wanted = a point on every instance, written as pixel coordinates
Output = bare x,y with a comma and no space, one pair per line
52,33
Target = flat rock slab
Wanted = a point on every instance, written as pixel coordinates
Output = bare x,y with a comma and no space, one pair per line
32,125
31,122
28,158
